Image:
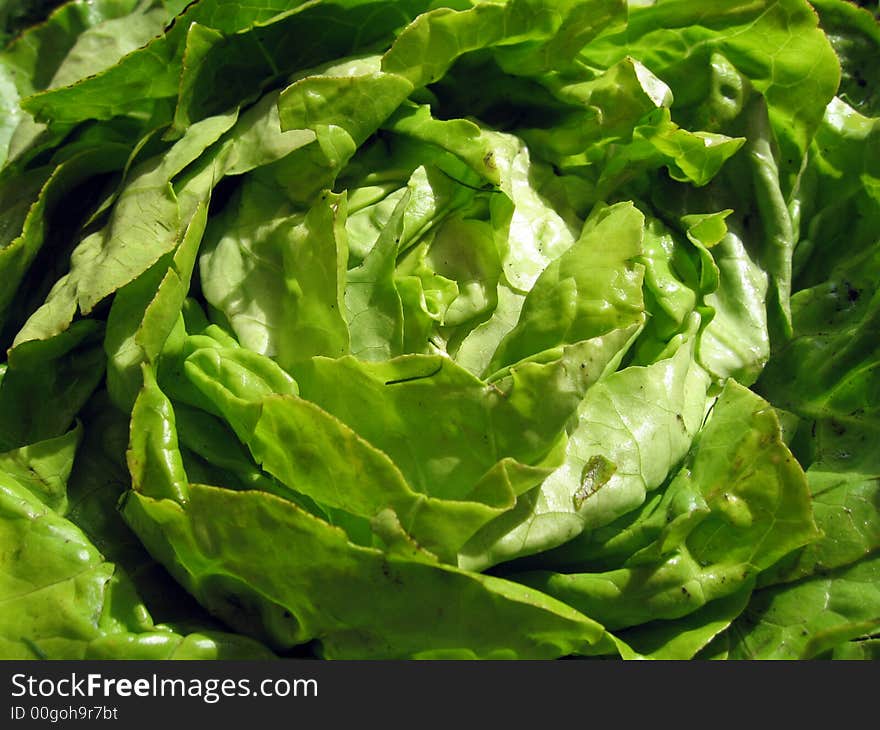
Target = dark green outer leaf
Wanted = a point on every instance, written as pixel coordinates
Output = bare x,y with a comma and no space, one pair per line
805,619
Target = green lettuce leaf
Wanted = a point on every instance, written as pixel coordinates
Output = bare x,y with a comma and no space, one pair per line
738,484
64,600
483,329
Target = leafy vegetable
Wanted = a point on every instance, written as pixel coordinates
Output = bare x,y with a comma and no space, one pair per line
487,329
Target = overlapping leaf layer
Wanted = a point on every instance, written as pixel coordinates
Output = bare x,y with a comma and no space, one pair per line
481,329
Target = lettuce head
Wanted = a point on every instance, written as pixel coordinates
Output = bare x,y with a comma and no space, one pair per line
492,329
